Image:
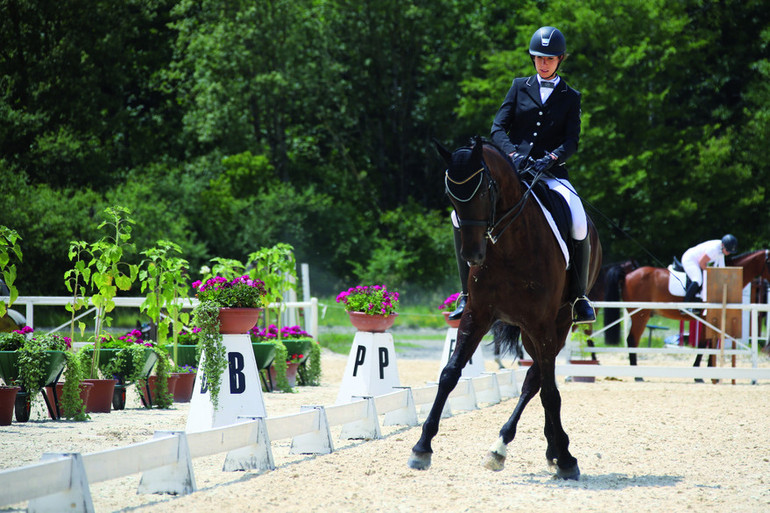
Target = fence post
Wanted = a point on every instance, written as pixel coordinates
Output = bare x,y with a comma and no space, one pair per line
76,499
258,455
174,479
403,416
364,429
317,442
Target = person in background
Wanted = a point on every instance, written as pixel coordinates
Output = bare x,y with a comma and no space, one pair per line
696,259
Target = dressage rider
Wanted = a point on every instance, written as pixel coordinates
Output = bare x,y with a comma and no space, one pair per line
697,258
538,126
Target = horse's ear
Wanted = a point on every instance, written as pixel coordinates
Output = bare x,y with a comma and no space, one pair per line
478,147
445,153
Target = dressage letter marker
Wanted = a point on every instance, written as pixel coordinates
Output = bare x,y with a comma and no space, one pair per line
475,365
371,369
240,392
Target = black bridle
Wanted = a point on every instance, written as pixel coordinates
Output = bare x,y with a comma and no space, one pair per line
491,223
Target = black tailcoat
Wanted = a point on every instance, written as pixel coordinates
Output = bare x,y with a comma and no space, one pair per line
525,125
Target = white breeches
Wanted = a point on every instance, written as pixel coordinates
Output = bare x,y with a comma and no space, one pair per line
579,222
693,270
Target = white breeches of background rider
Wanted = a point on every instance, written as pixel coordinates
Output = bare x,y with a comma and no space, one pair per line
693,270
579,222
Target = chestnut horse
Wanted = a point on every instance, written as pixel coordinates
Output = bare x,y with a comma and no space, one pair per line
518,279
651,284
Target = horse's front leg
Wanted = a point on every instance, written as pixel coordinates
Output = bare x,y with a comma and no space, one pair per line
467,342
495,459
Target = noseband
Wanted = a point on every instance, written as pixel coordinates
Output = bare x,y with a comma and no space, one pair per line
491,223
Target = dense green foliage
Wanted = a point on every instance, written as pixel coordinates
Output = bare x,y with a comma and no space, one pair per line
226,126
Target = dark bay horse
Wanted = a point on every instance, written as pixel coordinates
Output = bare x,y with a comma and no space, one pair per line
651,284
518,277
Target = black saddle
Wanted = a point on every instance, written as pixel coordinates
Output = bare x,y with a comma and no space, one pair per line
678,267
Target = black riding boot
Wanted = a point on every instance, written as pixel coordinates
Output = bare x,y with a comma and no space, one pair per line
464,271
692,290
689,297
582,311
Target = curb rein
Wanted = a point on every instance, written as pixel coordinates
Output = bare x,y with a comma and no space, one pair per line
490,223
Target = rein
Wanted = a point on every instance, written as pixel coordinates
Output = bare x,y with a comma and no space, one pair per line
491,224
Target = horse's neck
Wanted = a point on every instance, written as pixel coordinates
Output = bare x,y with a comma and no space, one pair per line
752,266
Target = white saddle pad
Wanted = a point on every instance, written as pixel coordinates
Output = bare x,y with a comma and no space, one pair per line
676,281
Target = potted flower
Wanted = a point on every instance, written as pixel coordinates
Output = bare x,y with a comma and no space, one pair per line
240,300
127,359
31,364
295,357
219,298
185,381
370,307
449,302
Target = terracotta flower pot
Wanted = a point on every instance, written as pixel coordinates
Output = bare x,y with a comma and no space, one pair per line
85,392
7,403
183,390
452,323
237,321
153,380
372,323
291,375
100,397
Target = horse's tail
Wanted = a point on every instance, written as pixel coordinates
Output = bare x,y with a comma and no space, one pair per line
507,338
616,276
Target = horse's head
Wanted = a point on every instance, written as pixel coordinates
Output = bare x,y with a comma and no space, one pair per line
473,194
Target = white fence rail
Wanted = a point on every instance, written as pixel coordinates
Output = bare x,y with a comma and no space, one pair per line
310,308
744,347
166,461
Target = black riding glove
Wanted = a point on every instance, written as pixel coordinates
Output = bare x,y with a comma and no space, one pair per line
544,164
519,161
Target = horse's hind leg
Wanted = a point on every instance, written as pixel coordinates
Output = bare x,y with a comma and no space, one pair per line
496,456
558,441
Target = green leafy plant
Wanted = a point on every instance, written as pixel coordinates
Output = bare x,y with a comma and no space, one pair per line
212,350
277,268
110,273
309,374
72,406
164,281
369,299
9,246
76,280
129,361
162,397
32,355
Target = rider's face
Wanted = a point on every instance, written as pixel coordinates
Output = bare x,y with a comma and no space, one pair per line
546,66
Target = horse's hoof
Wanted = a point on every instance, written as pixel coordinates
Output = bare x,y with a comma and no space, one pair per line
639,380
568,473
494,461
419,460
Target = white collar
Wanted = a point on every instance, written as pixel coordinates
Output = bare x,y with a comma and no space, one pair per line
554,81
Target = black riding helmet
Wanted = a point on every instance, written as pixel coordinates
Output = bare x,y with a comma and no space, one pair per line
547,42
730,243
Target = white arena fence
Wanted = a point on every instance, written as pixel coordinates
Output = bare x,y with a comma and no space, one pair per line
308,307
746,347
61,481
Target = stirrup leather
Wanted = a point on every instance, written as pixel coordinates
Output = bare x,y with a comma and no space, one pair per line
587,315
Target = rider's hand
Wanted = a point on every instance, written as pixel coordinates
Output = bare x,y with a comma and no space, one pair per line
519,160
544,164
